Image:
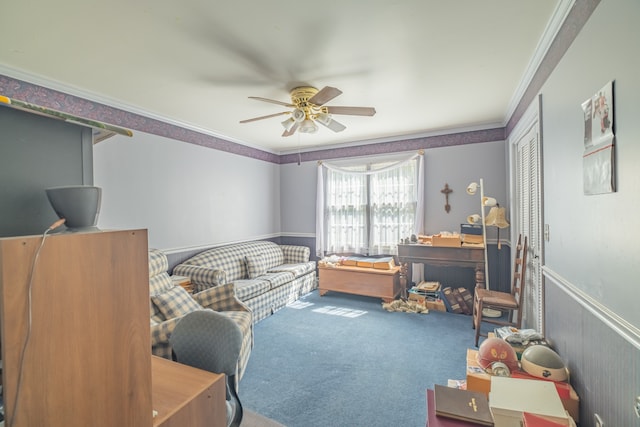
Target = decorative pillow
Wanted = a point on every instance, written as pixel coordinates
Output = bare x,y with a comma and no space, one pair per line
175,302
256,265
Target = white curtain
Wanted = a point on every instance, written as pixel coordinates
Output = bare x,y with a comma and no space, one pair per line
368,208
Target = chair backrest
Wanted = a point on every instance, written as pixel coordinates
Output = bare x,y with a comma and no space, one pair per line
207,340
519,270
211,341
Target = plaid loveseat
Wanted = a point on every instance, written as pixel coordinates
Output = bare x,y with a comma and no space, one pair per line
266,276
168,303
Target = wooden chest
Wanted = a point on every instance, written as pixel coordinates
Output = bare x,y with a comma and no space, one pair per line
370,282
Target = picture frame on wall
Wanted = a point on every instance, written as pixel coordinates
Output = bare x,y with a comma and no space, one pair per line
598,158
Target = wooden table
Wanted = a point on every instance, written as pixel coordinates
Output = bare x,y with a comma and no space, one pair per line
369,282
440,256
186,396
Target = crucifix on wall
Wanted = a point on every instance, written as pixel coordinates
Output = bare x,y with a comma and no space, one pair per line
446,191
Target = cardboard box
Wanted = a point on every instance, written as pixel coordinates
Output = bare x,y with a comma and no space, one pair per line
422,299
452,241
479,380
417,297
437,305
511,397
425,239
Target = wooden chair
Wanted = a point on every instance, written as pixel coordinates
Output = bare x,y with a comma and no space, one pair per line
503,301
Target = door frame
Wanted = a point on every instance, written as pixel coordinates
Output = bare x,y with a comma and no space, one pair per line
531,119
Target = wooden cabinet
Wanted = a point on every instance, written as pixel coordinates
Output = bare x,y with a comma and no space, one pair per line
186,396
79,353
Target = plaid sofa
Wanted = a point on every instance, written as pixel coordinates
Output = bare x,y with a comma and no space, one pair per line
266,276
168,303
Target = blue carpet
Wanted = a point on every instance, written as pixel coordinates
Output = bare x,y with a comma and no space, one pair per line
342,360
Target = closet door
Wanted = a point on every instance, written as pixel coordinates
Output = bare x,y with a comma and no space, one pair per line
527,192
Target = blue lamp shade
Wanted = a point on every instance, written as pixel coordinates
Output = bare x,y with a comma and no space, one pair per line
79,205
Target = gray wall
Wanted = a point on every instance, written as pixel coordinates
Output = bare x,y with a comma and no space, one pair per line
456,166
594,239
591,260
186,195
38,152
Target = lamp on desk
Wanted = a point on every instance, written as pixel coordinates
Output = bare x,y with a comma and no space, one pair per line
485,201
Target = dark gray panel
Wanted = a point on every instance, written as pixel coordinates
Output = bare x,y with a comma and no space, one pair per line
38,152
604,365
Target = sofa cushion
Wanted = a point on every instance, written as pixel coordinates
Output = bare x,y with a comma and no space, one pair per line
246,289
231,258
160,283
296,269
294,254
256,265
175,302
158,262
277,278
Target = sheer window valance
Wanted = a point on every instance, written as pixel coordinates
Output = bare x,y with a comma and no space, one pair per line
368,207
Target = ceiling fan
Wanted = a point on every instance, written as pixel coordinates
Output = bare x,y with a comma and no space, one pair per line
308,108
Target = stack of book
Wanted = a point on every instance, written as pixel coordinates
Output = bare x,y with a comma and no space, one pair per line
511,398
425,291
430,289
471,235
454,407
380,263
458,300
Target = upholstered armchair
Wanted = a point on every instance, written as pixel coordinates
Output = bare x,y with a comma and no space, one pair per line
168,303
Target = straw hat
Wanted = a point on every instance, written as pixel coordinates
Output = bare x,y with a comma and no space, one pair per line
496,217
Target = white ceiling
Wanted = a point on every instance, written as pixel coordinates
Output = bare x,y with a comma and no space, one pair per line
427,66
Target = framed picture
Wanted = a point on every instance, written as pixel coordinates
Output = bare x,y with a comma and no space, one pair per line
598,159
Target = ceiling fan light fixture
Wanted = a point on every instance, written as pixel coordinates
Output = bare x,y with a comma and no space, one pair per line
298,115
308,126
324,118
308,107
288,124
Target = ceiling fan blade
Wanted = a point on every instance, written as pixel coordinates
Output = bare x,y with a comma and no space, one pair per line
290,131
325,95
265,117
352,111
273,101
334,126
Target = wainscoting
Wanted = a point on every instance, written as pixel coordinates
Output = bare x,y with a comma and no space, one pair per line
602,351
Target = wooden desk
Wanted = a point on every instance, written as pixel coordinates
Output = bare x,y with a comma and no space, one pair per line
186,396
440,256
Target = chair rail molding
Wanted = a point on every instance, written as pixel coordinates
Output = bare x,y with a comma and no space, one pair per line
626,330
